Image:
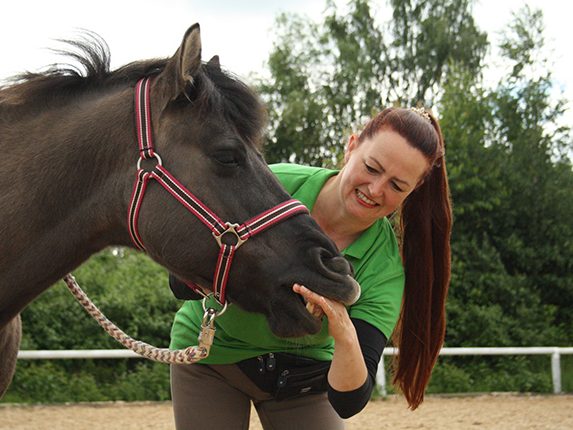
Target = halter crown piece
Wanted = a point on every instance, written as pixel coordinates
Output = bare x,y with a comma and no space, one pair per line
229,236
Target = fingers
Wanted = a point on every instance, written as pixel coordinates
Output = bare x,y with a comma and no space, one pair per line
339,324
306,293
316,304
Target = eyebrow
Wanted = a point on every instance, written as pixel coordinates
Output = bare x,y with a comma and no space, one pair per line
374,160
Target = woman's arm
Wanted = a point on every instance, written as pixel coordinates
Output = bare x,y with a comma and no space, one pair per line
372,342
358,347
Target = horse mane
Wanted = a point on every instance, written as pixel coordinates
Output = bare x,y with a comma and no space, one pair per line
63,80
216,89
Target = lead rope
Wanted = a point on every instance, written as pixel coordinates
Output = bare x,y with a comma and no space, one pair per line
188,355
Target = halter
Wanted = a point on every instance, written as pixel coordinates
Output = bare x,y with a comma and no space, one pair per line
229,236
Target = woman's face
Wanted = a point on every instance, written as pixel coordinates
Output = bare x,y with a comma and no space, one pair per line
379,174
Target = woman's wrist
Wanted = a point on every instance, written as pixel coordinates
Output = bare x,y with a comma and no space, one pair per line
348,370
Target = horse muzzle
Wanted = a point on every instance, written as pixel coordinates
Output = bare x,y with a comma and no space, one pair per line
345,288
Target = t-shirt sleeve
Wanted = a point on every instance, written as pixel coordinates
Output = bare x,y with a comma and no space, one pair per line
380,300
381,277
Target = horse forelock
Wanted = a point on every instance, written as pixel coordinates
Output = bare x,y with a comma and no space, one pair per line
221,91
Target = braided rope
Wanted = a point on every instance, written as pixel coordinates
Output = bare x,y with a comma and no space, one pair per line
188,355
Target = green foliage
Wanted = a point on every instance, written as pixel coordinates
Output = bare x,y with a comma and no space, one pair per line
513,201
327,78
489,307
148,381
567,373
50,382
429,39
132,291
474,168
447,378
487,374
93,381
532,228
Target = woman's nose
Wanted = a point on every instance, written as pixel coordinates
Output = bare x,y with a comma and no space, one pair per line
377,187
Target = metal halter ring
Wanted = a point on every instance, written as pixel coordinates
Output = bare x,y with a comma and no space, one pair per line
209,317
216,313
231,229
155,155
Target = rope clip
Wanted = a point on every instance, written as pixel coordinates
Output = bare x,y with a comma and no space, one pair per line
207,334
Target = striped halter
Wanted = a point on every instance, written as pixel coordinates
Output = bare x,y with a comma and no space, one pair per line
229,236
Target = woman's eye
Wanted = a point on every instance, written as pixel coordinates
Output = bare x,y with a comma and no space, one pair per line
396,187
370,169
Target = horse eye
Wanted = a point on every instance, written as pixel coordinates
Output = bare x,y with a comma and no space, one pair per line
226,158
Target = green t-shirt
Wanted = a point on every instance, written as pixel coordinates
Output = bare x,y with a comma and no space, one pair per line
377,267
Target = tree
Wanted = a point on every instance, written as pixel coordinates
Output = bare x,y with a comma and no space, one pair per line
132,291
534,224
429,39
328,78
488,304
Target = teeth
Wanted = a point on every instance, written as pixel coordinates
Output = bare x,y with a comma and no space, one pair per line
365,199
314,310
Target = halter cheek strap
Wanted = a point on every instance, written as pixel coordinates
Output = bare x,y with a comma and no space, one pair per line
229,236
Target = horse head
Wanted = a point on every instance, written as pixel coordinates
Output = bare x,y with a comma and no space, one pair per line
208,128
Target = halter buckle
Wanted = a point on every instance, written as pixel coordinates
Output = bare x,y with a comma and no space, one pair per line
230,230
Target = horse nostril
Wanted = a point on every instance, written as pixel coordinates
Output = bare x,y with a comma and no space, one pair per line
338,269
339,265
332,263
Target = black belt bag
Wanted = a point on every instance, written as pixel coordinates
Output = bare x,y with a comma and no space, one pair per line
286,375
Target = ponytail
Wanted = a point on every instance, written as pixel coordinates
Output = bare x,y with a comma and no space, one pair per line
425,228
425,224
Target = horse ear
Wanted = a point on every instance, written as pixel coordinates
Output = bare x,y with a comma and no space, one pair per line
188,59
214,61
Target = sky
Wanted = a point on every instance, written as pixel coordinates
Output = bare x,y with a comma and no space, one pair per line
240,32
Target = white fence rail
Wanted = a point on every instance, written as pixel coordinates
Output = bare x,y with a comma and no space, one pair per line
554,352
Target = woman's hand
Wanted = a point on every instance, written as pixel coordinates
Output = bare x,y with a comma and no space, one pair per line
339,325
348,370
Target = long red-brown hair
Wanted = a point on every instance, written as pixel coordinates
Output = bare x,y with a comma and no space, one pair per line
425,228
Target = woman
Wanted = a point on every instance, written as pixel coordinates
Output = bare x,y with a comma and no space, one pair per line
396,164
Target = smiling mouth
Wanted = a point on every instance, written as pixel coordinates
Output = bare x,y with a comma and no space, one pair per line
365,200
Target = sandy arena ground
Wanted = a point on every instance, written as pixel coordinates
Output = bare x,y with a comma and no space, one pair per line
501,411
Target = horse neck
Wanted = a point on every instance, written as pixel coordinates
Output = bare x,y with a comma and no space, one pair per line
69,172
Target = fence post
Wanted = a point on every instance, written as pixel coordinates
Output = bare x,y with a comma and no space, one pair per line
556,371
381,377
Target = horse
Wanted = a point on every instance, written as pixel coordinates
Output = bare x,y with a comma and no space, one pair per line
73,165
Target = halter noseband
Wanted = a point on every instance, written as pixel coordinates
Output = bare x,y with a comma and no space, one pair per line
229,236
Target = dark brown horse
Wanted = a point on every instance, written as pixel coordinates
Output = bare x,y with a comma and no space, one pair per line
67,170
